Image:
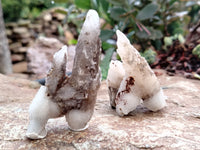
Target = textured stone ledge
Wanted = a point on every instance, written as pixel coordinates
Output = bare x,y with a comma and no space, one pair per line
175,127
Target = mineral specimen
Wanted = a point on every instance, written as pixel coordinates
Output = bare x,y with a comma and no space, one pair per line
132,82
71,96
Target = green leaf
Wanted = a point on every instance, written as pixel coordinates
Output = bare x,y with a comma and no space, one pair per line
108,44
155,34
104,4
73,42
105,63
172,2
118,2
196,50
196,76
157,44
116,13
106,34
94,4
84,4
60,30
149,55
168,41
60,1
147,12
61,11
130,36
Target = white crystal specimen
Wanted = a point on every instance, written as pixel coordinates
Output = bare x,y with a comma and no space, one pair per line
139,83
41,109
114,78
71,96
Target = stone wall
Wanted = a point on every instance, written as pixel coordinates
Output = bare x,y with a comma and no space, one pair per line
22,34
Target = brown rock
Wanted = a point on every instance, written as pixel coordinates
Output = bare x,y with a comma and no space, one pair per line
15,46
22,50
175,127
47,17
20,67
48,32
8,32
68,36
20,75
17,57
20,30
59,16
25,41
41,53
53,28
9,41
105,25
24,23
25,35
11,25
36,27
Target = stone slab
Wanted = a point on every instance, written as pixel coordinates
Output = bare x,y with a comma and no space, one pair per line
175,127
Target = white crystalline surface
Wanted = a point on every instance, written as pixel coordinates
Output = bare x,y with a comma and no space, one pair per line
60,55
73,96
115,74
139,82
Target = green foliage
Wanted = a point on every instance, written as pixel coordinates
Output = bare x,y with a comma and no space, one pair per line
116,13
175,27
15,9
193,12
12,9
147,12
196,50
149,55
73,42
105,63
84,4
106,34
145,22
169,40
153,34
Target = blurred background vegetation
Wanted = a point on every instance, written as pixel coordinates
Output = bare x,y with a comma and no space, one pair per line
151,25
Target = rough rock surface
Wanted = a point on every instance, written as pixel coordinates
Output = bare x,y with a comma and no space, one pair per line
40,56
175,127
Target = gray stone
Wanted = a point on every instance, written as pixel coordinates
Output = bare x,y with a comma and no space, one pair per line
20,67
11,25
47,17
175,127
20,30
15,46
8,32
22,50
17,57
36,27
24,23
41,53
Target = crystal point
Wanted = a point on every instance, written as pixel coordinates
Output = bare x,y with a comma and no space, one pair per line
71,96
138,84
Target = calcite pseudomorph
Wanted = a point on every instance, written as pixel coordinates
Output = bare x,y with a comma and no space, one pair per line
71,96
132,81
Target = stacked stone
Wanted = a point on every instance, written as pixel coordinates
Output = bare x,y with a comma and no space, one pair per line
19,39
22,34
